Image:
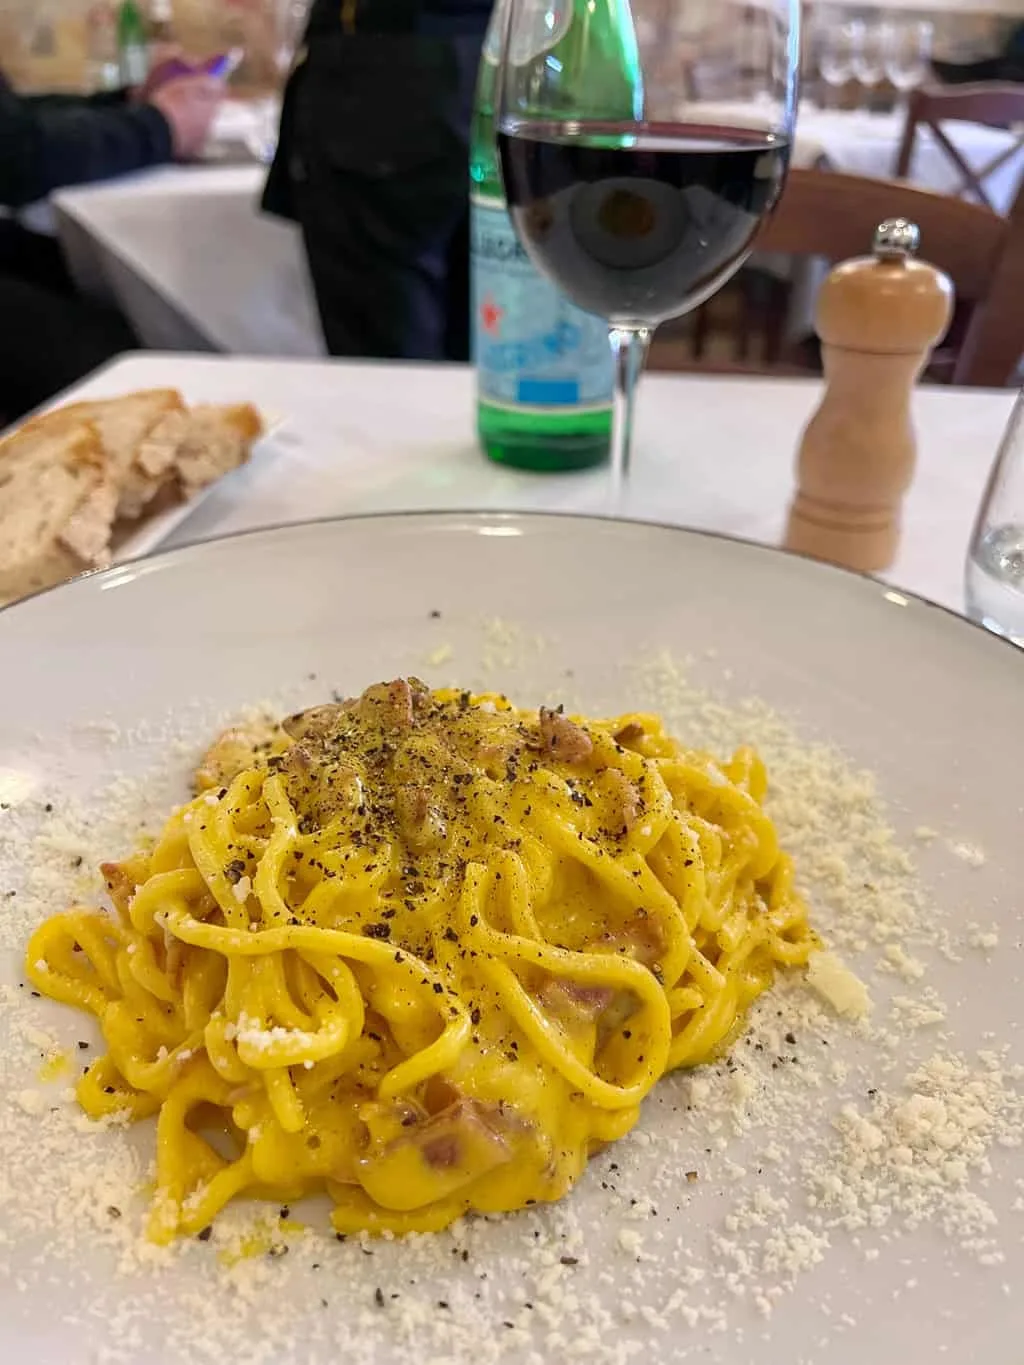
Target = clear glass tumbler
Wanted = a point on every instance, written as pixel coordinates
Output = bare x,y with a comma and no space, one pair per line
995,560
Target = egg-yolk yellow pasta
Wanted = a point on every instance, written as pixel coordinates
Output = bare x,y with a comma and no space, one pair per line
424,951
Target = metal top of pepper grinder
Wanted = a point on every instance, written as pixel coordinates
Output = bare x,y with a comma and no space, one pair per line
896,239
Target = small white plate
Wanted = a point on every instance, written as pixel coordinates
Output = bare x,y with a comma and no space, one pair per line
150,532
918,1257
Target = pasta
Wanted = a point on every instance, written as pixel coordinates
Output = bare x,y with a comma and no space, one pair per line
424,951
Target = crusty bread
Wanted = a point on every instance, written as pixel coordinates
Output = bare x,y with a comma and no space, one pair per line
217,441
153,469
69,476
122,425
195,448
122,421
44,483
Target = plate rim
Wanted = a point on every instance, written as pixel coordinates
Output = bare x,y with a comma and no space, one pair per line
413,514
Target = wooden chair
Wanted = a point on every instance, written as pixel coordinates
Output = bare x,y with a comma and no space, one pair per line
999,106
831,216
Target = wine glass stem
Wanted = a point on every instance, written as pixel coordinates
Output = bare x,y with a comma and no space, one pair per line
629,347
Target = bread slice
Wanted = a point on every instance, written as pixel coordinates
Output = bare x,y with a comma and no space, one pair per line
68,476
123,424
45,481
218,440
153,470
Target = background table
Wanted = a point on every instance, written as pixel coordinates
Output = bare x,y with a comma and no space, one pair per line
192,262
861,143
711,453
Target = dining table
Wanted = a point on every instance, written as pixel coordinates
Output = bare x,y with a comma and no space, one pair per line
187,255
715,454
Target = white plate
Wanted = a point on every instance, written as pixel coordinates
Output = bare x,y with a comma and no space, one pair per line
107,674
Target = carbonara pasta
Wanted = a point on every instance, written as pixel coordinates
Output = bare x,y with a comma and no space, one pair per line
425,951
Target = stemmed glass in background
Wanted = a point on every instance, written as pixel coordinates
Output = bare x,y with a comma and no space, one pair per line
289,19
836,52
638,206
869,59
907,46
290,24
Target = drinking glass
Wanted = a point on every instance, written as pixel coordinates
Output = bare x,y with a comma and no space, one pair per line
638,203
289,20
908,52
290,24
868,57
839,43
995,560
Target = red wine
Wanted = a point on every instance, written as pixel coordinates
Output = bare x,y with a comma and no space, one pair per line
638,223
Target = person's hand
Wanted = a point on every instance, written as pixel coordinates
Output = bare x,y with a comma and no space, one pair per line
167,61
189,105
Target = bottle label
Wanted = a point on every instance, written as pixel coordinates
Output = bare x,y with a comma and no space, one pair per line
534,350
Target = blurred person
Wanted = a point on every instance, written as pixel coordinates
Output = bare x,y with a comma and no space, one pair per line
50,337
373,163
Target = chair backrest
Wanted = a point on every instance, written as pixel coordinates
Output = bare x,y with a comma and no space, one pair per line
834,216
1000,106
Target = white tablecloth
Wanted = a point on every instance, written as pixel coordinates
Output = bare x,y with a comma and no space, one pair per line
711,453
190,259
868,144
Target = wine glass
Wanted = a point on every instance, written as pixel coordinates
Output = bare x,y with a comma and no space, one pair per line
290,23
908,51
869,57
638,203
835,58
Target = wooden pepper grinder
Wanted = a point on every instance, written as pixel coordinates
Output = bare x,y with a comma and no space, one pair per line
878,318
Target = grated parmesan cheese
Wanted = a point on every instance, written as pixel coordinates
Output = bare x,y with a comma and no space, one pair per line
836,984
985,939
897,959
970,854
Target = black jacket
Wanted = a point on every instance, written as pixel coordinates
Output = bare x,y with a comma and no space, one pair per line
393,94
51,141
373,161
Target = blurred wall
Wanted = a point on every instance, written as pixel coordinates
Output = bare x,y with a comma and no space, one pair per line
44,43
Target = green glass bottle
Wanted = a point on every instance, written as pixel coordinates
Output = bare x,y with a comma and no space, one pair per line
544,367
132,44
